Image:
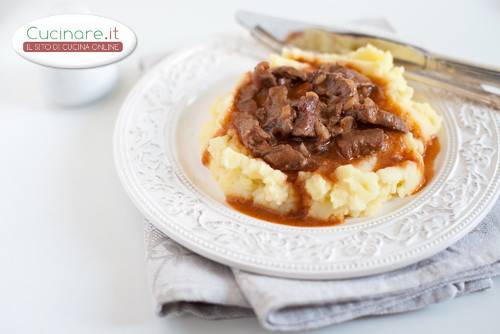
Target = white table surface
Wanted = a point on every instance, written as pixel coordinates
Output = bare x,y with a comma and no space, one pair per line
71,243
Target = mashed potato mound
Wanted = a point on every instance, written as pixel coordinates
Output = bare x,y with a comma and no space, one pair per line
352,190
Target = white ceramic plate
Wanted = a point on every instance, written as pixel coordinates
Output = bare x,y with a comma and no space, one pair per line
157,156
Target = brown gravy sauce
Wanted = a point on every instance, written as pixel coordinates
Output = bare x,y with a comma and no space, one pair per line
431,152
294,219
330,160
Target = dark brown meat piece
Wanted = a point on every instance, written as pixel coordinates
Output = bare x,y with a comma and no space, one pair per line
303,149
369,113
321,131
357,143
248,106
352,74
278,118
263,76
247,92
317,77
366,90
245,99
322,141
289,72
251,134
285,158
343,126
307,114
363,84
346,124
340,86
299,90
334,84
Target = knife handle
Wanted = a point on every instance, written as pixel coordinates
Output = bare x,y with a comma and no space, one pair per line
456,86
474,73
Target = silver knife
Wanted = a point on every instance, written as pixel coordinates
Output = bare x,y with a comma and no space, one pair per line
477,82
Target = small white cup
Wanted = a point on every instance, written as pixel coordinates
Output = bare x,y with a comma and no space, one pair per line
76,87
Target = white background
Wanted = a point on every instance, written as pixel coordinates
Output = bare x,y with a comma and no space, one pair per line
71,249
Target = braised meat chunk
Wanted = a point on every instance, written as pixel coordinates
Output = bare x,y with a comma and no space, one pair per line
357,143
307,114
368,112
251,134
278,117
293,118
263,76
290,73
284,157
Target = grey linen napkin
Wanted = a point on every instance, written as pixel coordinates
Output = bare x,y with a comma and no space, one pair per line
185,283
